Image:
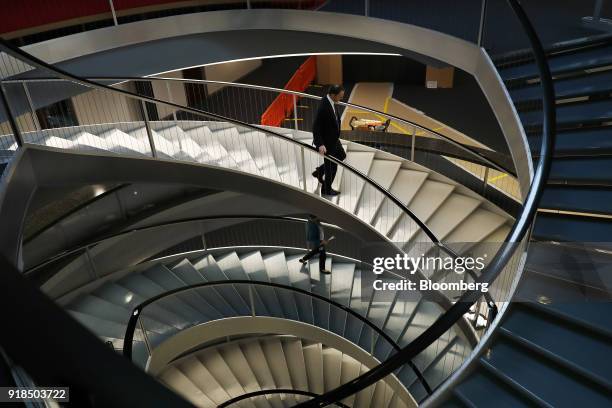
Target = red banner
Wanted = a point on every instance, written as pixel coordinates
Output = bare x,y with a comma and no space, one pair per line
29,14
282,106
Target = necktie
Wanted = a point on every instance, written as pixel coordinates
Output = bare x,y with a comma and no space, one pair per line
335,112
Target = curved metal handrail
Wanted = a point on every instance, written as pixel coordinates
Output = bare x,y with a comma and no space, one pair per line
128,340
95,242
71,212
259,393
18,53
517,233
501,258
84,247
465,148
35,62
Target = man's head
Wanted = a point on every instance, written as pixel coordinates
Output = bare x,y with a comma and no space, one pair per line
313,217
336,92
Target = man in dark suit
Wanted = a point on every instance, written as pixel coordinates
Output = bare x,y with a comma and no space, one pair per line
326,135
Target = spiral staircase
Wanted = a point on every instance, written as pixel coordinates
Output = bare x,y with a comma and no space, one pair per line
542,350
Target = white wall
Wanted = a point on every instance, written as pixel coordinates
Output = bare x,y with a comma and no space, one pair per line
100,106
229,72
177,92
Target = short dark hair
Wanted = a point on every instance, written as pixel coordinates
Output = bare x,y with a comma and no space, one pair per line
335,89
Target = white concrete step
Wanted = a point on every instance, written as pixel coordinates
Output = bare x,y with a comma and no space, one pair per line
383,172
404,187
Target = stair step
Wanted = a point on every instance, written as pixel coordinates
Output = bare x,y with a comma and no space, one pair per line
577,61
579,113
561,227
594,200
382,172
556,342
587,142
581,170
567,88
544,380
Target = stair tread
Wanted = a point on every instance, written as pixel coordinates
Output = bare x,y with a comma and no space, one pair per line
546,381
588,58
574,113
567,88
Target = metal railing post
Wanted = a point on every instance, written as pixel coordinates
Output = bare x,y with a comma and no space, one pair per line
413,143
371,342
148,127
295,118
10,117
26,91
481,26
248,4
303,168
477,312
367,8
144,336
170,99
484,181
252,300
597,10
112,7
91,263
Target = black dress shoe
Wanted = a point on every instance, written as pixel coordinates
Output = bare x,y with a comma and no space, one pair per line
331,192
318,176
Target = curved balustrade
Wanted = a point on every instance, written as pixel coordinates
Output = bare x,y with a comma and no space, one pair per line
218,145
514,244
246,103
281,391
246,298
92,244
212,142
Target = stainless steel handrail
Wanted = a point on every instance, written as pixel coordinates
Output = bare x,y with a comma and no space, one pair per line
501,258
477,155
128,341
98,241
35,62
61,74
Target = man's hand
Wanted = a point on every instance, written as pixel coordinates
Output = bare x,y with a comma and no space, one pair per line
323,242
322,150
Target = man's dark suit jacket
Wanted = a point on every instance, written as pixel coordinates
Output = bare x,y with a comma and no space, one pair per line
326,130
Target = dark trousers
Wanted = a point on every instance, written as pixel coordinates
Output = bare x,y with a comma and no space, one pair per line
316,249
328,170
